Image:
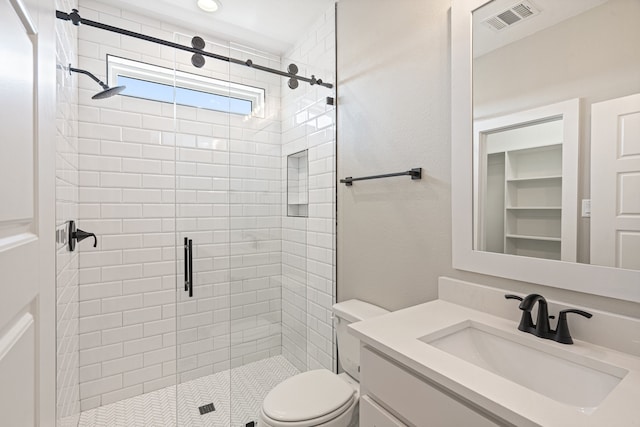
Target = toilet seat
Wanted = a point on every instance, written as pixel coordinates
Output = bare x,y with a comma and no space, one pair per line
308,399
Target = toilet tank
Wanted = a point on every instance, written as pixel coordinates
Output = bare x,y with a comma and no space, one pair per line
347,312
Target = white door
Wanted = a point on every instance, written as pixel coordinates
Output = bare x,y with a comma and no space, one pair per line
615,183
27,279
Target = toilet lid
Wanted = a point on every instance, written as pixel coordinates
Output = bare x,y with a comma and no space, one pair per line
307,396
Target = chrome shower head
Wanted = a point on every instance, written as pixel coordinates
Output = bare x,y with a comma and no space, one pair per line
107,92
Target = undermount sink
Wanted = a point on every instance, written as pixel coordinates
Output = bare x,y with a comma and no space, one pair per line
551,371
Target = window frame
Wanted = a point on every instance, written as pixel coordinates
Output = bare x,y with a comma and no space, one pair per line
119,66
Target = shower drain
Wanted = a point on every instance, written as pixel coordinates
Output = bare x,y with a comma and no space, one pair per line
205,409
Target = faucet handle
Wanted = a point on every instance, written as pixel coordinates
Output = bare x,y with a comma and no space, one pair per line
576,311
562,334
526,322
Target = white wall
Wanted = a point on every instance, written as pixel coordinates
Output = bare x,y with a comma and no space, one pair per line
593,56
68,400
394,235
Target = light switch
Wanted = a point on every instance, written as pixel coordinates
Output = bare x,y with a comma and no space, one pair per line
586,208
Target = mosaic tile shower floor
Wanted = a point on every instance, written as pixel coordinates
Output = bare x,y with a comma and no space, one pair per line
237,395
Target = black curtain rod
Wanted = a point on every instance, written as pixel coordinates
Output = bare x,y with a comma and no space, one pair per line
76,19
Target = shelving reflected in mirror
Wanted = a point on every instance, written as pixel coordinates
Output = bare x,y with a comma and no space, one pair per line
556,118
526,181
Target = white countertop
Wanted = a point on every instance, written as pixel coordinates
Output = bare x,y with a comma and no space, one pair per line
397,335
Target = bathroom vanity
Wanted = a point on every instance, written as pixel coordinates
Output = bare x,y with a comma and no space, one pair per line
389,384
465,363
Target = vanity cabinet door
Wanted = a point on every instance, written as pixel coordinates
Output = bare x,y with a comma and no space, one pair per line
372,415
420,403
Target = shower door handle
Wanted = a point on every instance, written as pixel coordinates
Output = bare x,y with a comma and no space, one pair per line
186,264
190,268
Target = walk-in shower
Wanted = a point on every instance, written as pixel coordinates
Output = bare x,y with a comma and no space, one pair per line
207,286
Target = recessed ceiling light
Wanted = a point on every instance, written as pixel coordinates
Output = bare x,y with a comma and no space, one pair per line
209,5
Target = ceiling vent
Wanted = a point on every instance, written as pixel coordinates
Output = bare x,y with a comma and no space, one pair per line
513,15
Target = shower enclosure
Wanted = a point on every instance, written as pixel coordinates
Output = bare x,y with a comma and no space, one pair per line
212,194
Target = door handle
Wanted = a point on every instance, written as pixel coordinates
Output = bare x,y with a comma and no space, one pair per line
190,268
186,264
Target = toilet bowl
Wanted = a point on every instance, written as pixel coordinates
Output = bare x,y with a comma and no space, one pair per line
320,398
313,398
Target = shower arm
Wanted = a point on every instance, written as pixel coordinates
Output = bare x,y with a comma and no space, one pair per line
87,73
76,19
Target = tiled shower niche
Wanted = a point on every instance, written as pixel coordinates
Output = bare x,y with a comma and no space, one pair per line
298,184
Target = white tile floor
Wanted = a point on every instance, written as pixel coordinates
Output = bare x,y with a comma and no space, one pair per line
237,395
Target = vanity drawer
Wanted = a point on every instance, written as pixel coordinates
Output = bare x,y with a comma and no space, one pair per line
372,415
417,401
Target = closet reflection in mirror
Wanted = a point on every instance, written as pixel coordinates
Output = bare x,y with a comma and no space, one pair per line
556,106
526,182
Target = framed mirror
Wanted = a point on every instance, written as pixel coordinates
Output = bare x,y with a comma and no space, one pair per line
546,142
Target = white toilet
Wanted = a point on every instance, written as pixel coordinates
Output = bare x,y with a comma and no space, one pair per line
320,397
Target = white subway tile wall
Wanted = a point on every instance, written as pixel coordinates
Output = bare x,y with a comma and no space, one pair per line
151,174
68,398
308,244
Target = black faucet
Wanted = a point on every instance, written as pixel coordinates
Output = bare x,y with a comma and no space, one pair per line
542,328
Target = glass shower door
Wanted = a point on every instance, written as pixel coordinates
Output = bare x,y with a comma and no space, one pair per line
202,110
255,229
256,241
126,196
282,245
